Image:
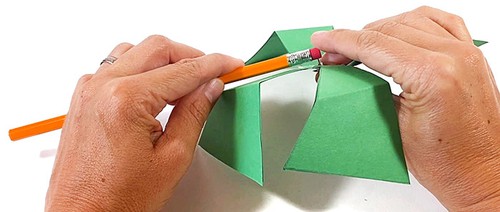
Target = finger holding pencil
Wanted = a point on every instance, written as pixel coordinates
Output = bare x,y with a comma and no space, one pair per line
244,72
272,64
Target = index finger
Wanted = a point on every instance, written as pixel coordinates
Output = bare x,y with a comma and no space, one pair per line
171,82
154,52
385,54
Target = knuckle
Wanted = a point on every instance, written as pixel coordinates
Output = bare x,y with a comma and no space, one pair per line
423,8
445,77
192,69
406,17
468,54
123,99
455,19
124,45
180,154
160,46
84,89
159,41
431,75
387,27
198,112
367,39
441,64
218,56
84,79
371,25
171,85
119,87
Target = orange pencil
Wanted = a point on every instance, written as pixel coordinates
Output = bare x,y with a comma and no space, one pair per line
238,74
272,65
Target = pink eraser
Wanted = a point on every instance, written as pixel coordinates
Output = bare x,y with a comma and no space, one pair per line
315,53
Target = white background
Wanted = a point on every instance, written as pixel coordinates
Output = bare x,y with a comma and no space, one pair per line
45,46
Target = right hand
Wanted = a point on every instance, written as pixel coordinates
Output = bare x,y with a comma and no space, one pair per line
449,110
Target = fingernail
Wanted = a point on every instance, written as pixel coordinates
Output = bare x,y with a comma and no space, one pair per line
328,58
214,89
319,33
334,59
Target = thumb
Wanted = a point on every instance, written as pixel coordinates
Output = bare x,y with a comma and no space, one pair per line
183,129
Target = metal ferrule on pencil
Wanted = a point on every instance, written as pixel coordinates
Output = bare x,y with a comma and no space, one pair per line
299,57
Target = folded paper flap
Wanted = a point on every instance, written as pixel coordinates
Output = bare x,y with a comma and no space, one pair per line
232,132
348,81
284,42
349,132
272,48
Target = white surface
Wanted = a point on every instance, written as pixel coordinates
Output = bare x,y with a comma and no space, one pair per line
47,45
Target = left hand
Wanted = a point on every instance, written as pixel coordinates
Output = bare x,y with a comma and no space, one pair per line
113,154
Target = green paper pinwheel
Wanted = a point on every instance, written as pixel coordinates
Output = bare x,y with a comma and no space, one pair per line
352,129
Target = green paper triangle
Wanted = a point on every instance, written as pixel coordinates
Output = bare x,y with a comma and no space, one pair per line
479,43
231,133
352,129
272,48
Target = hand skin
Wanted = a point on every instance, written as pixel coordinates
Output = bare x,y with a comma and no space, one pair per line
113,154
449,110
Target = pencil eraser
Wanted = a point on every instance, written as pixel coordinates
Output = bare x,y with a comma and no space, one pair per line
315,53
